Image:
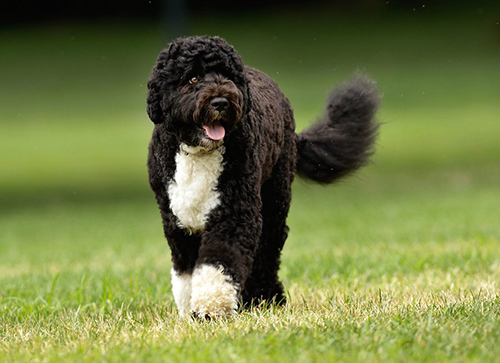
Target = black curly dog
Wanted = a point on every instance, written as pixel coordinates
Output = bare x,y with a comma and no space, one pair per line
221,163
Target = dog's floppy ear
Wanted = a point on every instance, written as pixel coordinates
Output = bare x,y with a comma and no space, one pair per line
157,104
154,98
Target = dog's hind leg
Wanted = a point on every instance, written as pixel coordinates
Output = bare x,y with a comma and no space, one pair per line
263,284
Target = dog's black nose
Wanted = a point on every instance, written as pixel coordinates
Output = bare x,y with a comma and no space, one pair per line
219,103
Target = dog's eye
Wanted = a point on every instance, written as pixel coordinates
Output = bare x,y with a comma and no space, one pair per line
193,80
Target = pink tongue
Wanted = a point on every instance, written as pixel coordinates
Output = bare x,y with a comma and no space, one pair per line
215,131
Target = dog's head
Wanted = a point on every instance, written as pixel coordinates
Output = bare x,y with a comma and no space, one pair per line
198,90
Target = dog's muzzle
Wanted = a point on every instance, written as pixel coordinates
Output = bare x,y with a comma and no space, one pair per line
220,104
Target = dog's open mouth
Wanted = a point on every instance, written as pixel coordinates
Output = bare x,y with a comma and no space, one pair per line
214,131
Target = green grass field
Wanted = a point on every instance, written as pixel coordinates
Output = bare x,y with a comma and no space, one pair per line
398,263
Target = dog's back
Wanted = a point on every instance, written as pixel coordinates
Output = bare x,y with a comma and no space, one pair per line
272,121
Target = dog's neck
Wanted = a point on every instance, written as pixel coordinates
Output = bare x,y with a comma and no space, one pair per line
196,150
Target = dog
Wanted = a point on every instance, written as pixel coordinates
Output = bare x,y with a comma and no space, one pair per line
221,162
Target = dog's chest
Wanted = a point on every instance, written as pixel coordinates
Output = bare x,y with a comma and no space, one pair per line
193,191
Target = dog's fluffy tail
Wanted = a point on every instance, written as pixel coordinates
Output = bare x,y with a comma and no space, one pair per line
343,140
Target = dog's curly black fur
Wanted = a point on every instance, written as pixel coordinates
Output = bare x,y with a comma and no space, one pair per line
244,233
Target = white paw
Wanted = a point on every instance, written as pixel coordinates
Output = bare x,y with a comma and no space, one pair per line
213,293
181,288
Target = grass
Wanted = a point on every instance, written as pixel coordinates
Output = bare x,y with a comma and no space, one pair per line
399,263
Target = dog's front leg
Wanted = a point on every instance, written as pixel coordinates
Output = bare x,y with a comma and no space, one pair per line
228,245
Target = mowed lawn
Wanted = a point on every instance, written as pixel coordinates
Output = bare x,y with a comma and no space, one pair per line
398,263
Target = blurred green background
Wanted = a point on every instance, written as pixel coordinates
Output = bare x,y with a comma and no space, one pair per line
74,131
400,260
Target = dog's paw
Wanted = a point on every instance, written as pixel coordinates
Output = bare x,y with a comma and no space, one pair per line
213,294
181,288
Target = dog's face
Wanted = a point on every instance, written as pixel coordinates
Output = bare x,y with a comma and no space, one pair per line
198,90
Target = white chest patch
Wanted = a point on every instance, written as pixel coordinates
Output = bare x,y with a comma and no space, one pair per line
193,191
